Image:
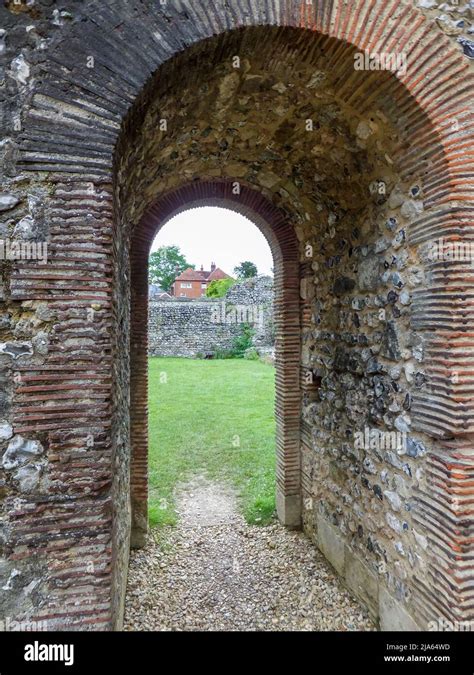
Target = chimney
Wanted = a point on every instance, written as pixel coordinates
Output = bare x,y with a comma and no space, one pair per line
202,268
213,266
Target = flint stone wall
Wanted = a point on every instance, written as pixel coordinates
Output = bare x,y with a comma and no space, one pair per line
193,328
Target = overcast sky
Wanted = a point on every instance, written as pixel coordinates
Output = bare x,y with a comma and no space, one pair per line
210,234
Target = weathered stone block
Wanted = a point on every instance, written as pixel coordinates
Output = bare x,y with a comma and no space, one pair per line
393,616
362,582
288,509
19,452
331,544
8,202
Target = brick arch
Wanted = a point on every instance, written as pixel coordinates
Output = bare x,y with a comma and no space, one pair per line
279,232
71,127
433,105
427,103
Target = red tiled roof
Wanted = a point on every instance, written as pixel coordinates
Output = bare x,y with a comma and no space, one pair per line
217,274
202,275
192,275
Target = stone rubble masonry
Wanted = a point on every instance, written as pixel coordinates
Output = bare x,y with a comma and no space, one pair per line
118,114
193,328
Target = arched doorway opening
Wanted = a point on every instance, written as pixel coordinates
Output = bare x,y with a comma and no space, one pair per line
280,236
211,380
335,157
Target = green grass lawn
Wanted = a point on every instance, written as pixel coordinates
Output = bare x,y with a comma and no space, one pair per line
214,418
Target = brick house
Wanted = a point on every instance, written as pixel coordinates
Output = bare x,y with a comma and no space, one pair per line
193,283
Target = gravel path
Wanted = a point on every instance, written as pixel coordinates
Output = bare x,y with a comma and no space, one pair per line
213,572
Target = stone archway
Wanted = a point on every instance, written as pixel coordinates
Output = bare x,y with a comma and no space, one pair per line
68,524
284,246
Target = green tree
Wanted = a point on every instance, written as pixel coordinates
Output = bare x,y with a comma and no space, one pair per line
219,287
164,266
246,270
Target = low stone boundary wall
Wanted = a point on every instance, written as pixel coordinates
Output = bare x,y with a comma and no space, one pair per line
194,328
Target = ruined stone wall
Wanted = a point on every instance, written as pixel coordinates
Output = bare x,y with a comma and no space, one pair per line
365,362
254,296
207,327
188,329
384,169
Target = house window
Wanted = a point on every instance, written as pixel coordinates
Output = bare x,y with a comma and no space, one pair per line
204,286
186,285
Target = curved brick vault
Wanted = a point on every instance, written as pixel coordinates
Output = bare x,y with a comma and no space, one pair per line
101,179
